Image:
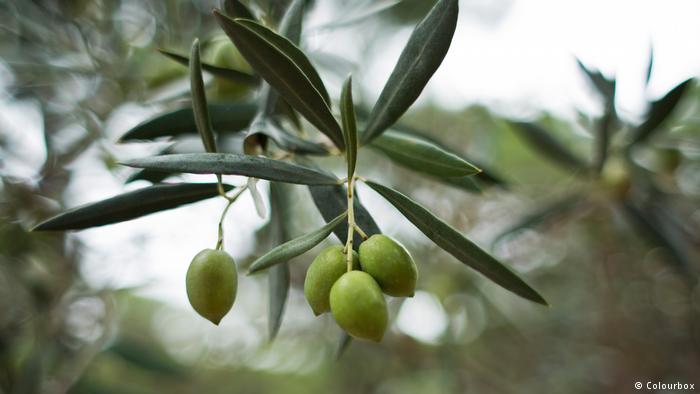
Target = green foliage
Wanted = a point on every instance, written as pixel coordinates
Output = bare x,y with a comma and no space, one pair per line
292,86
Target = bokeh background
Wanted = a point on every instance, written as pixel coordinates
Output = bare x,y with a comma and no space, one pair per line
105,311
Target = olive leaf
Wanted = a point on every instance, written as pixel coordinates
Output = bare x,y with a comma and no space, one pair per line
422,156
467,184
659,111
130,205
344,342
650,66
199,100
289,48
543,141
541,215
221,72
235,164
605,86
236,9
278,275
225,117
419,60
450,240
295,247
347,114
150,175
487,176
277,59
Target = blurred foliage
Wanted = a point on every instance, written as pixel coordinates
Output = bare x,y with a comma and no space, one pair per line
624,309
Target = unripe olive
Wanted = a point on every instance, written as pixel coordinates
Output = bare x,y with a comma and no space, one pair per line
326,268
390,265
358,306
615,178
212,282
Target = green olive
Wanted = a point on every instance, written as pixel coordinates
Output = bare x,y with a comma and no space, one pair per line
212,282
390,265
326,268
358,306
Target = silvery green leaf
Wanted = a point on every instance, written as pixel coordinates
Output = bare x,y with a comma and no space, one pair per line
130,205
419,60
235,164
295,247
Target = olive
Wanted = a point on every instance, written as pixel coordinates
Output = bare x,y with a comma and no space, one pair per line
212,282
326,268
390,265
358,306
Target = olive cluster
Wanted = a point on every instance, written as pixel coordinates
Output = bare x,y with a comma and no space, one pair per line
354,297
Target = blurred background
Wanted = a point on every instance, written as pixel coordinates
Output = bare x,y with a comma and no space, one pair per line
105,310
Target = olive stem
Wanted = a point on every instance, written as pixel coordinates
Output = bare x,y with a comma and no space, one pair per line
231,200
351,224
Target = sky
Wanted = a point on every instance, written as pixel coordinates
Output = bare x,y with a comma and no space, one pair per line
515,56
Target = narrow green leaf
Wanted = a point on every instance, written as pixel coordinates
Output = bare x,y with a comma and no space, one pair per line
130,205
276,59
659,111
149,175
199,101
236,9
650,66
226,73
278,288
543,142
542,215
285,46
235,164
486,176
295,247
450,240
278,275
467,184
344,342
347,114
419,60
292,22
604,86
230,117
422,156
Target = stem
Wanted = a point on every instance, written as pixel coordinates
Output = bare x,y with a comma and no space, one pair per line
231,200
351,224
